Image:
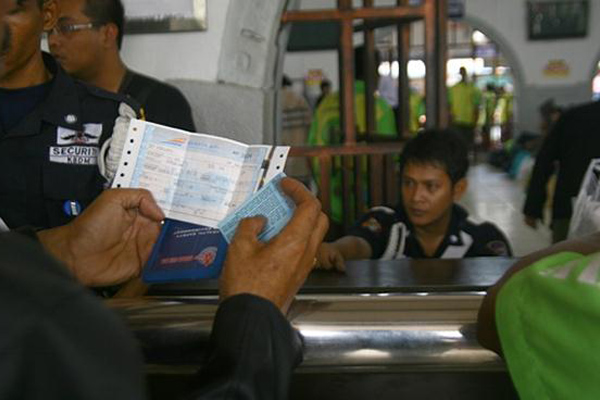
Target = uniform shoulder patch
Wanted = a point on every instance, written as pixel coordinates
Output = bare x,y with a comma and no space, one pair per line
372,224
498,247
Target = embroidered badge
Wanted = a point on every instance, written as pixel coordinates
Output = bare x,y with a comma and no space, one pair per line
76,155
76,147
90,135
372,224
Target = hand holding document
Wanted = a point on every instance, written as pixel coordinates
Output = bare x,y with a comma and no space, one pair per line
269,202
200,181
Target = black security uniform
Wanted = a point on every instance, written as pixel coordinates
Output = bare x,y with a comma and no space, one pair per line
48,160
162,103
391,235
58,341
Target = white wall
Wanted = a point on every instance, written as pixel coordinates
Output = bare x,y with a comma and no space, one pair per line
508,18
187,55
196,55
505,22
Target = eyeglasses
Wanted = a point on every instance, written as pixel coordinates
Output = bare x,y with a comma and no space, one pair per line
69,29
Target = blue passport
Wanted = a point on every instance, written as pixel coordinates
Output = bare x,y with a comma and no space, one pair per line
185,251
197,180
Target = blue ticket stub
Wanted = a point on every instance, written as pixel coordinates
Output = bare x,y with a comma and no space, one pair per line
269,202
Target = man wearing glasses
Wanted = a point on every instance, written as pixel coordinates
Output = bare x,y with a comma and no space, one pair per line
51,127
86,42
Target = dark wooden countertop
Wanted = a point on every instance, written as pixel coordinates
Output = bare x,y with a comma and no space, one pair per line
371,276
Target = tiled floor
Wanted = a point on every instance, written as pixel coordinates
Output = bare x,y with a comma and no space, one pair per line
492,196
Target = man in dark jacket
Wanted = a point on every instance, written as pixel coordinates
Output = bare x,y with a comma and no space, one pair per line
51,127
60,342
571,145
86,42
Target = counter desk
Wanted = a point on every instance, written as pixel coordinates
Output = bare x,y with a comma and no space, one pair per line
378,316
390,329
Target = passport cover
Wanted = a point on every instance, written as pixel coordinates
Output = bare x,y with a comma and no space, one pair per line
185,251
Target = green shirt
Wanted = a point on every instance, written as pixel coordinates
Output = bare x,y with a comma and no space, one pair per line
464,99
325,130
548,318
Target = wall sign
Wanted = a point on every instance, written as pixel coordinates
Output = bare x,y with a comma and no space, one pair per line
158,16
557,69
557,19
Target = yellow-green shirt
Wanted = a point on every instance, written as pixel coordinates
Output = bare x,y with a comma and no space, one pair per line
325,130
464,100
548,318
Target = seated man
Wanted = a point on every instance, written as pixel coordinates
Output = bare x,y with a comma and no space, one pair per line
541,316
428,223
86,43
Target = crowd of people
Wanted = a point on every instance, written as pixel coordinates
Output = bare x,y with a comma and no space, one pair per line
64,231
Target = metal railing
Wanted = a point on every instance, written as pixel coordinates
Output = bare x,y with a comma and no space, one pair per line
346,333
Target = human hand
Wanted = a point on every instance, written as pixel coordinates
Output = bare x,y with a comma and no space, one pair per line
111,240
330,257
530,221
275,270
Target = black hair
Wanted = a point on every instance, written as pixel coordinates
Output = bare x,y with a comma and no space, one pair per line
359,63
548,107
442,148
286,81
325,83
107,12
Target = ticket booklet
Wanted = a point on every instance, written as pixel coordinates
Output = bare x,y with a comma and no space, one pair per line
201,181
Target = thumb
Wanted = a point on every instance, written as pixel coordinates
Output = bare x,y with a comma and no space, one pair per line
339,263
249,229
150,209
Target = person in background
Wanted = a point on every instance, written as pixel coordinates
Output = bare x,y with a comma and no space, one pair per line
464,100
428,223
504,112
325,130
295,121
417,112
388,90
486,117
325,91
51,127
549,114
86,42
541,318
570,146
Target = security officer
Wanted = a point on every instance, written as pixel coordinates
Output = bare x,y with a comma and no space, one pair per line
51,127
